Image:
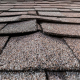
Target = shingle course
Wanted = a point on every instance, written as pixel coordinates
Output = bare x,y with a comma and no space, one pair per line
40,50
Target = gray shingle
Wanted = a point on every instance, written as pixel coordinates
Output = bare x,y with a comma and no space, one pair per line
20,27
50,13
9,19
21,10
12,13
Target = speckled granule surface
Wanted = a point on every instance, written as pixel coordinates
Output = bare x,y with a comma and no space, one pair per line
40,40
38,50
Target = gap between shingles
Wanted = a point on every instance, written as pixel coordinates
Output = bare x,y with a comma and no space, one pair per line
72,51
38,22
46,75
37,70
4,26
5,45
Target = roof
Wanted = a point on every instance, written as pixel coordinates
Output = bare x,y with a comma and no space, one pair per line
40,40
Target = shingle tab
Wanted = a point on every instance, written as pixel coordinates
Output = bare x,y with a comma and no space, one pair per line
50,13
9,19
32,12
71,14
5,8
61,29
38,51
12,13
70,20
39,17
46,9
20,27
21,9
75,9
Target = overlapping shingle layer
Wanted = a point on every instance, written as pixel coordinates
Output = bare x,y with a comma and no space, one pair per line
37,38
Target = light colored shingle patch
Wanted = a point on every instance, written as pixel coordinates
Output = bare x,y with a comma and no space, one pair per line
71,14
9,19
76,9
21,9
12,13
17,4
50,13
46,9
32,12
70,20
20,27
38,51
64,9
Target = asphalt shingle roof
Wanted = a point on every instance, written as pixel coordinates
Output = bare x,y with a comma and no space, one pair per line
40,40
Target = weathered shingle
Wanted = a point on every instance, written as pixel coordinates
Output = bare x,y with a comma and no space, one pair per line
9,19
61,29
38,39
38,51
12,13
50,13
21,9
20,27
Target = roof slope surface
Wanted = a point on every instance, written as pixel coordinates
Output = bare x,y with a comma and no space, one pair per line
39,39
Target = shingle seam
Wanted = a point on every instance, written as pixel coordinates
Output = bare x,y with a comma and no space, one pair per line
72,51
39,71
38,22
5,45
3,27
40,27
46,75
9,9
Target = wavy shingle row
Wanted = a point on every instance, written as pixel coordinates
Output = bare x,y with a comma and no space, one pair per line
38,36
